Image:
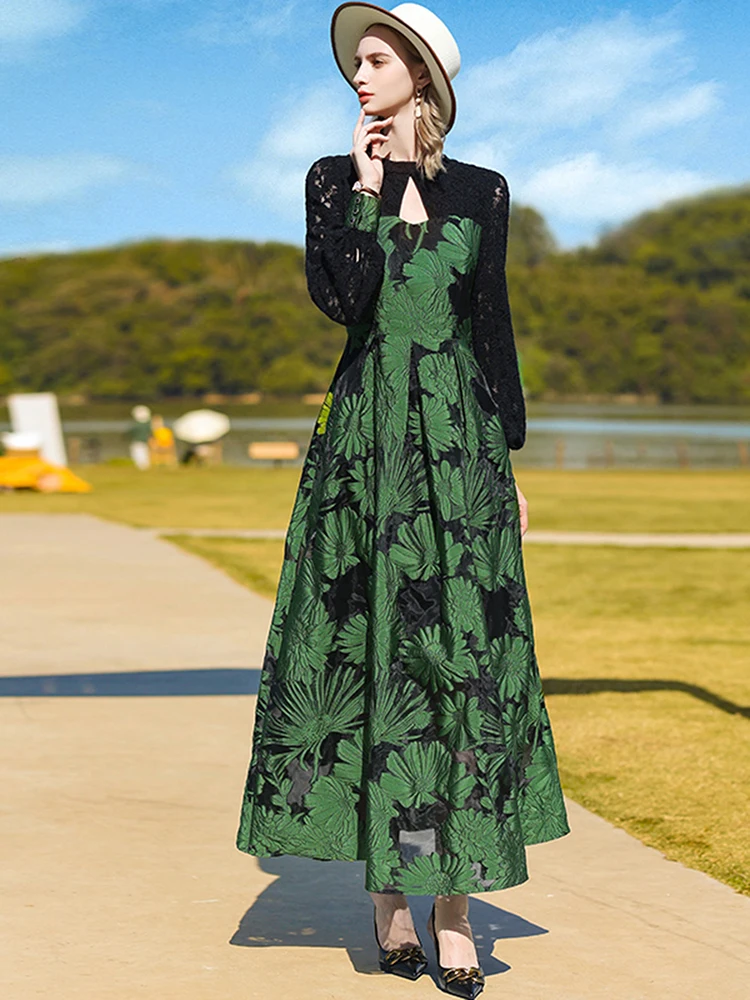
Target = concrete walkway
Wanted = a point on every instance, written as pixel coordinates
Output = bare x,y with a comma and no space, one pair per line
664,540
120,878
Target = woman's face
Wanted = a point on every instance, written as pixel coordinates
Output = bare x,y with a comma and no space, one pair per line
383,75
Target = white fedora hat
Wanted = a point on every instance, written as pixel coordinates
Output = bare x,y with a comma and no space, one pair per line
427,33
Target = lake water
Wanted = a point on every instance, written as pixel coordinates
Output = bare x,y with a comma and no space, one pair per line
573,436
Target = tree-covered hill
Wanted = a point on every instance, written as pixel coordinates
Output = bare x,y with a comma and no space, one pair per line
660,306
163,318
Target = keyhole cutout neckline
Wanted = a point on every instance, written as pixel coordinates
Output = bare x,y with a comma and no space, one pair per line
412,222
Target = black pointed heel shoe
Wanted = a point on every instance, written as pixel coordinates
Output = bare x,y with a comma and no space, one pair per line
457,981
408,962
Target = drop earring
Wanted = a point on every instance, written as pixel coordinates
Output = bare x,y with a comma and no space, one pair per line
418,104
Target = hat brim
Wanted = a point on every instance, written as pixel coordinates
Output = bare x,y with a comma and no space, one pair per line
349,23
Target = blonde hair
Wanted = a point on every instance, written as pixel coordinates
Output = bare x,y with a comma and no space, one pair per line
430,128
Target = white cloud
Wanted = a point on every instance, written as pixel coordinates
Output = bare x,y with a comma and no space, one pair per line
275,175
36,180
25,21
568,76
574,118
227,22
672,110
586,188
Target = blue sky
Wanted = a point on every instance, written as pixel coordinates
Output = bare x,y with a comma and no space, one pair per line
128,119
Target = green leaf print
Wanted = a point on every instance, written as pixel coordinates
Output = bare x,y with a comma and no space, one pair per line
410,321
497,558
472,832
331,841
541,771
508,864
310,711
394,361
497,445
399,484
416,551
349,764
309,633
464,606
493,766
336,549
278,833
460,720
452,554
480,509
433,425
540,822
352,639
331,802
353,413
459,246
537,708
397,712
286,582
428,279
511,665
437,875
296,531
449,490
438,658
381,810
515,721
414,775
385,225
382,863
522,617
332,486
489,567
437,374
361,482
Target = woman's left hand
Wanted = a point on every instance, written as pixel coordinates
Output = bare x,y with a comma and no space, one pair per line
523,506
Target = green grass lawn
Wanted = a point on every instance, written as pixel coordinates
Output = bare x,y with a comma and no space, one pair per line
262,497
644,658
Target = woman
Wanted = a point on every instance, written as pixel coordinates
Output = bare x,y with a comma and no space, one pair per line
400,716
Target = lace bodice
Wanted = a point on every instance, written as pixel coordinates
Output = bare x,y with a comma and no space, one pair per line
344,261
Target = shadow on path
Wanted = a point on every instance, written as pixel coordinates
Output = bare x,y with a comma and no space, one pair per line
245,680
135,684
595,685
323,904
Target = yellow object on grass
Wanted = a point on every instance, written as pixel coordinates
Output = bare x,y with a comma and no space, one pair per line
30,472
163,437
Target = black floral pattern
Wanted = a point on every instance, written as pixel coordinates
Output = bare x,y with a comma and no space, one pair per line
400,717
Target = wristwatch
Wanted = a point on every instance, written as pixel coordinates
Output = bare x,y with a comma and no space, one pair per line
359,186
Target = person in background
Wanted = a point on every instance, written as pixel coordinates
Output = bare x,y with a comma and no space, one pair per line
161,443
139,434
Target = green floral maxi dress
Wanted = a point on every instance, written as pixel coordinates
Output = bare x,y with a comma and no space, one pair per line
400,717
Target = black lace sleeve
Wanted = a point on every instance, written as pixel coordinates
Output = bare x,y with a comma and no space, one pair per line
492,327
344,263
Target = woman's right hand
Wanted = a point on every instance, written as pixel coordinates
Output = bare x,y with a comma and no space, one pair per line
369,164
